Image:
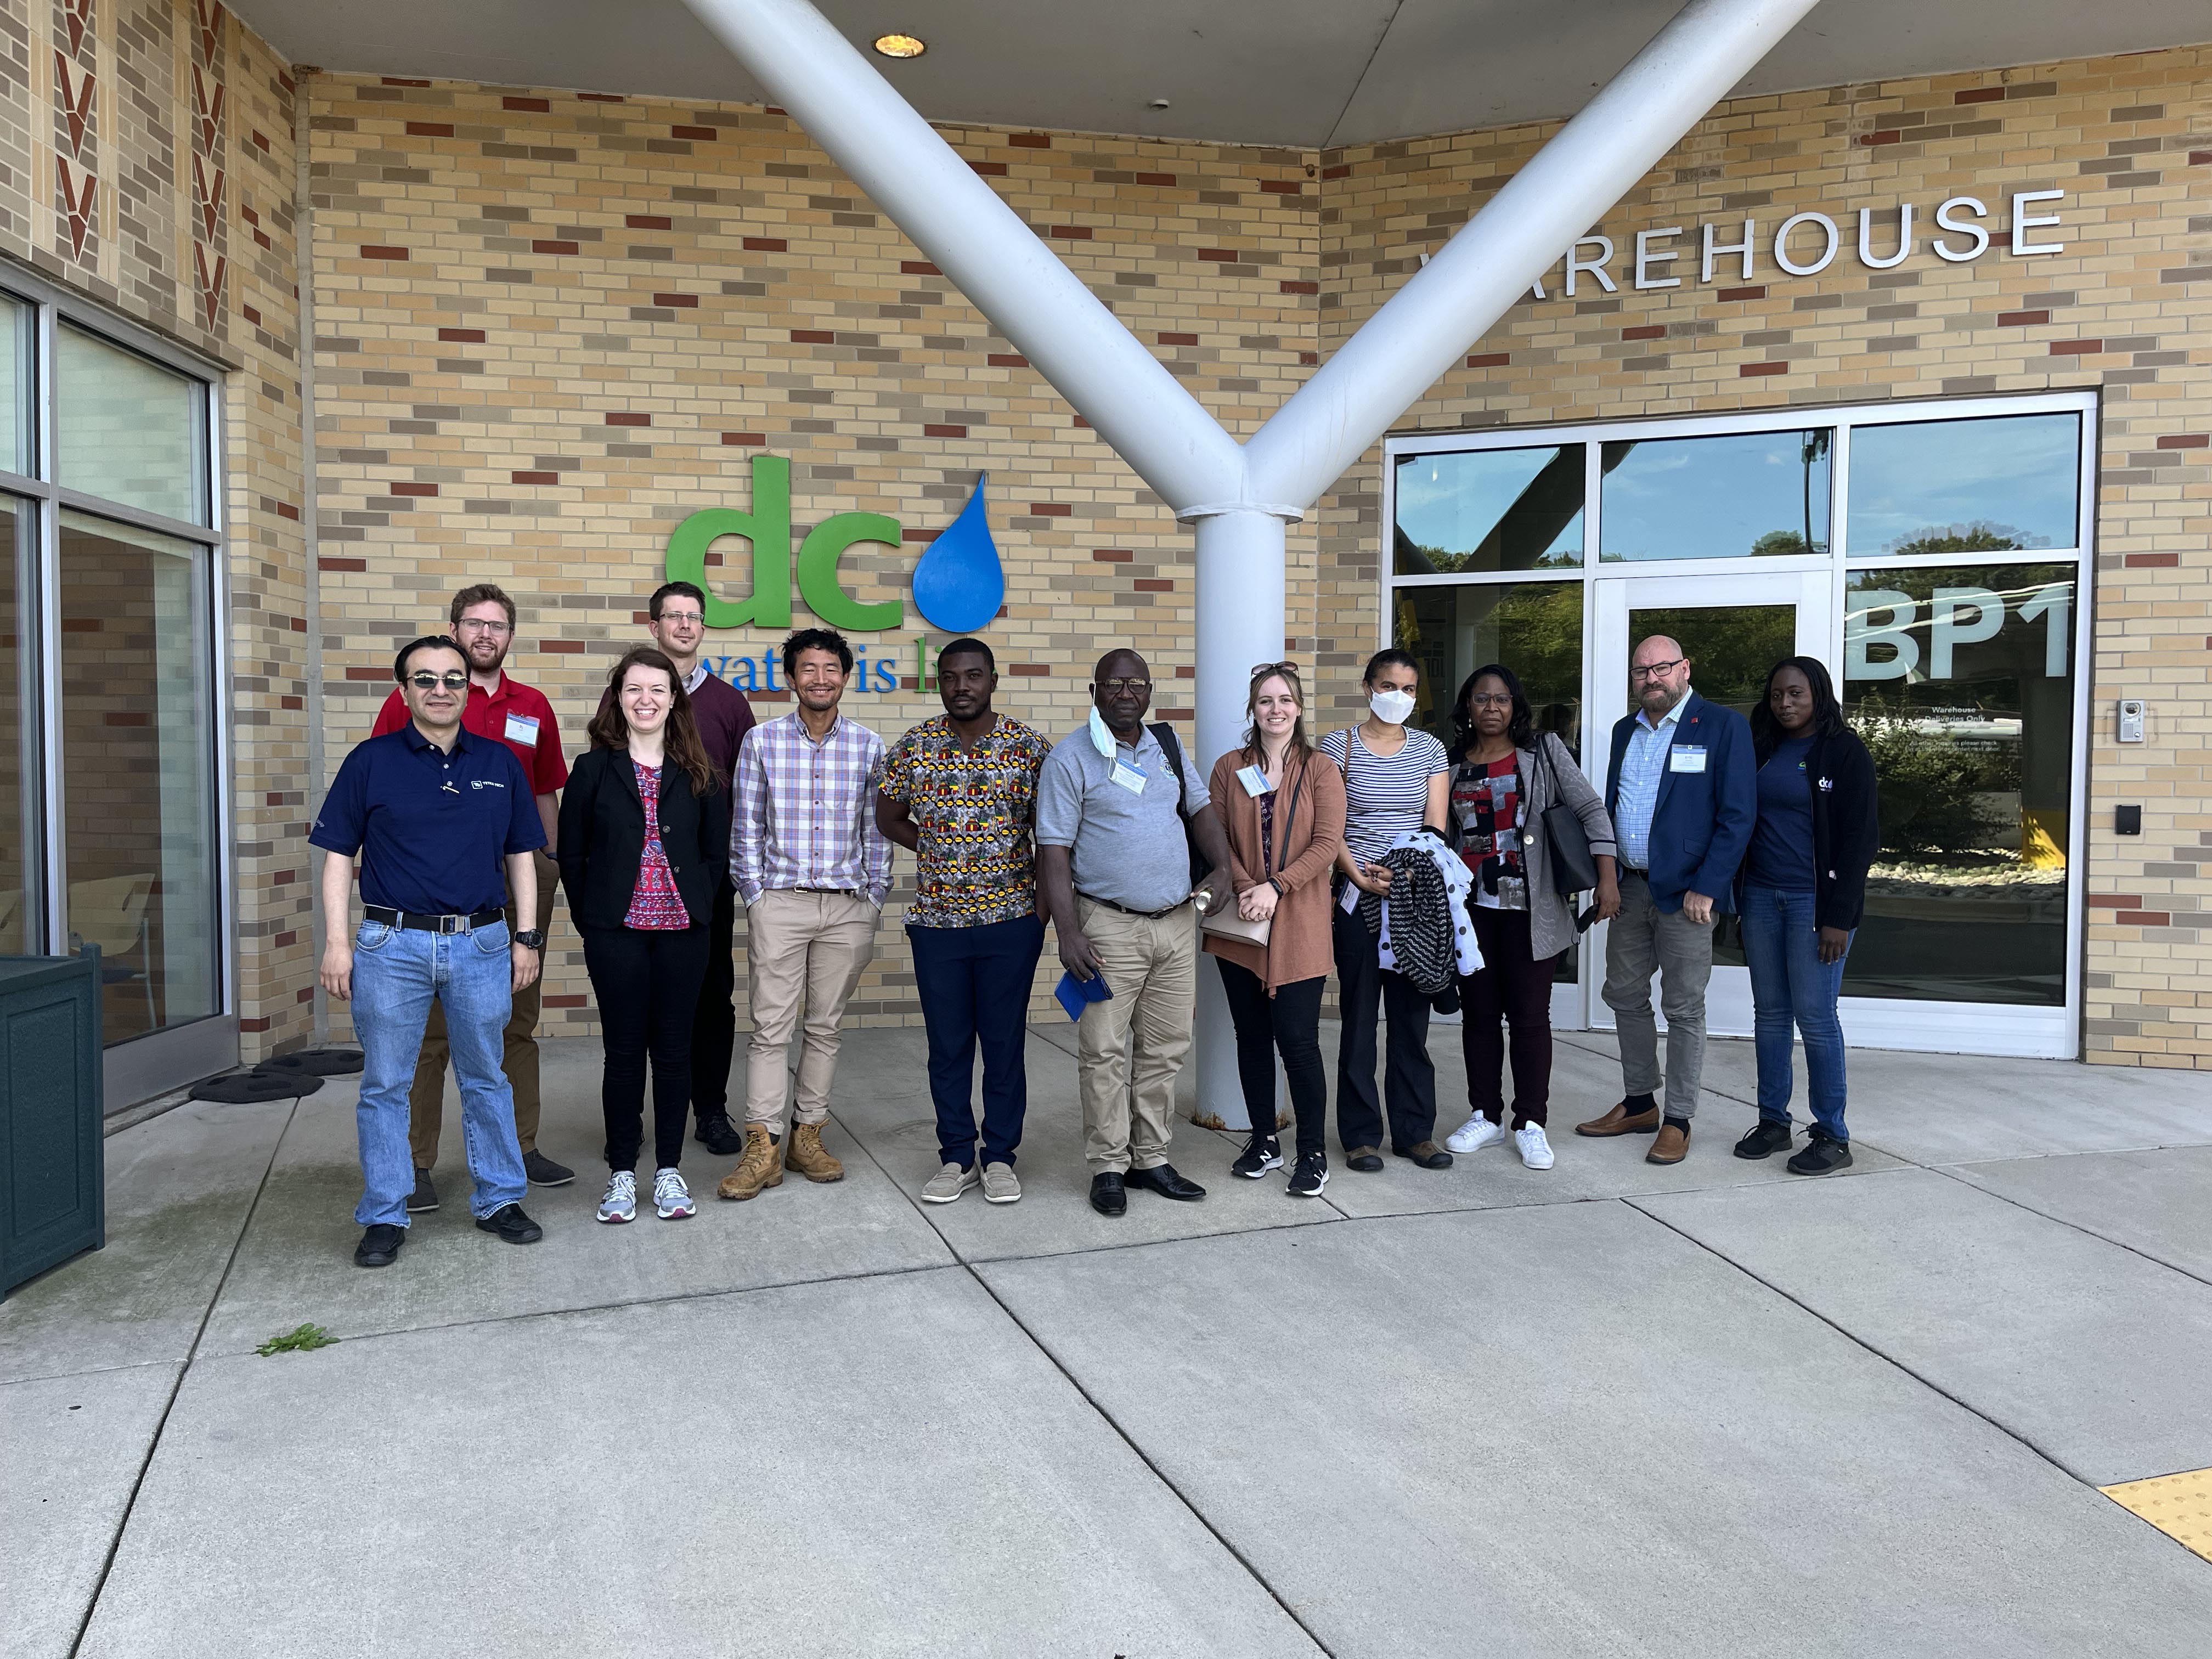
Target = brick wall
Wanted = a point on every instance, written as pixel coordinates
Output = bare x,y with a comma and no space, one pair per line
146,161
550,326
2126,310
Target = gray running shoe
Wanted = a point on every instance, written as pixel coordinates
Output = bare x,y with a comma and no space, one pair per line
620,1203
948,1183
671,1199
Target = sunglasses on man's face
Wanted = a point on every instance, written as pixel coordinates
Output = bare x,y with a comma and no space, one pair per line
424,680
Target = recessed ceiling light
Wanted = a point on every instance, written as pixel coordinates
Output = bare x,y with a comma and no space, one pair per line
900,45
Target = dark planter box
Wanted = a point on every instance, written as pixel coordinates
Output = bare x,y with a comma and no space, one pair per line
52,1181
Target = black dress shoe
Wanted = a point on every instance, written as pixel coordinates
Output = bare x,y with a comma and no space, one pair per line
1161,1178
511,1224
720,1136
1106,1196
379,1246
1366,1160
1765,1139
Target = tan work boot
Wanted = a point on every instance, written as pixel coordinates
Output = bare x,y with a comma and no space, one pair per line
806,1154
760,1166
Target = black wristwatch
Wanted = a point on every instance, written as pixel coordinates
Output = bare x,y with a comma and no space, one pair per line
531,939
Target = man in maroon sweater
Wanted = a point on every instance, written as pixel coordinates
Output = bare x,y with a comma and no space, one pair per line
677,619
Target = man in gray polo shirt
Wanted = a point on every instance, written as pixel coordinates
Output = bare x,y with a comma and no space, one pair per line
1113,872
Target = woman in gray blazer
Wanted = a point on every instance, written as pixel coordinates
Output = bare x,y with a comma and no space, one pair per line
1505,776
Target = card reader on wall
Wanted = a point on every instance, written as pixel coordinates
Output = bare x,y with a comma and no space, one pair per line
2128,820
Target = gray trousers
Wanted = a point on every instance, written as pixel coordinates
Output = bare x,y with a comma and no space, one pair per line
1644,940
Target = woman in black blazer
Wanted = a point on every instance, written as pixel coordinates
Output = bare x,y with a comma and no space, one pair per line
645,843
1799,893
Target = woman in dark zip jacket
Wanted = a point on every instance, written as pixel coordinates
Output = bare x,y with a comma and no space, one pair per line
1800,894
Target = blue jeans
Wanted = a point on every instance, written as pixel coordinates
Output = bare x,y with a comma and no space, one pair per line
1790,983
396,974
973,984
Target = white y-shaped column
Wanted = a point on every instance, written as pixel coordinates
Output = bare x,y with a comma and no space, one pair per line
1240,498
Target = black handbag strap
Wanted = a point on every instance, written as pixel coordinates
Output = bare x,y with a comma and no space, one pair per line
1289,817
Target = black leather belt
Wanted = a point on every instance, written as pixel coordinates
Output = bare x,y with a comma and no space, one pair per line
392,918
840,892
1149,915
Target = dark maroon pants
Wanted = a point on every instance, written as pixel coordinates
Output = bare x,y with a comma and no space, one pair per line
1516,987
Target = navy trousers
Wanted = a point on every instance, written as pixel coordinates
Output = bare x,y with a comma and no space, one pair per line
974,986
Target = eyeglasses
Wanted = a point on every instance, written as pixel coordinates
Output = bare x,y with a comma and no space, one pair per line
1653,671
1117,687
424,680
691,616
478,625
1491,699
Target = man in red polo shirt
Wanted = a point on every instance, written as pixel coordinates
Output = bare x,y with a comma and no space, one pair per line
502,708
676,616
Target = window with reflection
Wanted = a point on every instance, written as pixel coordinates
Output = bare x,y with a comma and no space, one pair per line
1489,509
19,818
1997,484
128,429
17,321
137,733
1960,680
1731,495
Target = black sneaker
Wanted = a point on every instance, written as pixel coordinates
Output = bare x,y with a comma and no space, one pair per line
1821,1156
379,1246
720,1136
425,1195
543,1171
511,1224
1766,1138
1310,1176
1262,1153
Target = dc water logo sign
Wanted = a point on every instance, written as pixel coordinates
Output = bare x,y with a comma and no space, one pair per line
957,584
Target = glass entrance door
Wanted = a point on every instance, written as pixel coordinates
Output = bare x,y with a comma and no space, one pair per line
1733,628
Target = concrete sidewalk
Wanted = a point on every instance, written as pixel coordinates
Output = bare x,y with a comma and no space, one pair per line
1709,1409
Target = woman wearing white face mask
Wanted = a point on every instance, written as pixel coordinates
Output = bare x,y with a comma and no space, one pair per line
1394,781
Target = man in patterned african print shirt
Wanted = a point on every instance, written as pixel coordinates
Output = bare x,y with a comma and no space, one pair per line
960,791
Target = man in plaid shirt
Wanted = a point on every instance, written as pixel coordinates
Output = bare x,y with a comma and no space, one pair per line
812,870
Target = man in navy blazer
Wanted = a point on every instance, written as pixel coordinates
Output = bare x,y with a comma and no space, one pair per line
1683,793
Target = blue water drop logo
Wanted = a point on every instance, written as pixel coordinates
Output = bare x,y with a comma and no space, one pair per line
958,583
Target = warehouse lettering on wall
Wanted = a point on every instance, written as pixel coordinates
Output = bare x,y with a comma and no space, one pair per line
1959,231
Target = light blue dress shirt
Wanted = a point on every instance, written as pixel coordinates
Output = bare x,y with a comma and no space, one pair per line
1641,768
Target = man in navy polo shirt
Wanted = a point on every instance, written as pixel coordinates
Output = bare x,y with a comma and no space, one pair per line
434,811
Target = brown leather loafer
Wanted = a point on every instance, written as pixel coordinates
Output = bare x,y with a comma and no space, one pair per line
1621,1122
1427,1155
1672,1147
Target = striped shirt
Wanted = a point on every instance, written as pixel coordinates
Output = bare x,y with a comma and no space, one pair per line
1384,795
1642,767
804,814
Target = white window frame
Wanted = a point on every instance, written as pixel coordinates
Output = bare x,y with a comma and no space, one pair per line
1928,1026
162,1058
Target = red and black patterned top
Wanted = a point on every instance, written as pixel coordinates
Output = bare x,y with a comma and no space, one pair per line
1486,802
654,904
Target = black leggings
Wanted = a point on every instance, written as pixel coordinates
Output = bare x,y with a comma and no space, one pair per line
648,987
1288,1021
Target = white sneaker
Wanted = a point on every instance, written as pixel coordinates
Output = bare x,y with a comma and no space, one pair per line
1474,1135
1536,1151
671,1199
620,1201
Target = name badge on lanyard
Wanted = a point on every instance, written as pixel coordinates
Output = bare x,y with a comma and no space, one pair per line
1685,757
522,729
1131,778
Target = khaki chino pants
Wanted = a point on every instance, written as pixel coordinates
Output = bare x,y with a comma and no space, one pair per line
1151,965
807,952
426,1098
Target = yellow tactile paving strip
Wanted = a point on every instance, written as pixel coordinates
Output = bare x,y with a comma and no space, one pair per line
2179,1505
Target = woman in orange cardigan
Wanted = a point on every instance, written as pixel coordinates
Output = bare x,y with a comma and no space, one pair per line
1282,804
